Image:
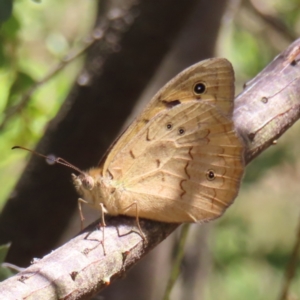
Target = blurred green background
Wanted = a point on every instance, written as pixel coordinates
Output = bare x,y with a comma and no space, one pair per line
252,243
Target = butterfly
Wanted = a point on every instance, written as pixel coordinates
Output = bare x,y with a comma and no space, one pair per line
181,160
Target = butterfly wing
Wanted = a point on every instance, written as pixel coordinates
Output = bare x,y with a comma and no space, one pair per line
217,75
184,165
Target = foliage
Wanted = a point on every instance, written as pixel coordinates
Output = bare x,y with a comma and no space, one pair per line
33,40
6,7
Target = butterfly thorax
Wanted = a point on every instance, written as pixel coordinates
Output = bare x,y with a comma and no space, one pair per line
96,189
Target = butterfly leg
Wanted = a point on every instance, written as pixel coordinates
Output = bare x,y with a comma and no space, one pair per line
103,210
137,218
80,201
102,224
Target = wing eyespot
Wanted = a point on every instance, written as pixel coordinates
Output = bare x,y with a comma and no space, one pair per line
210,175
181,131
169,126
199,88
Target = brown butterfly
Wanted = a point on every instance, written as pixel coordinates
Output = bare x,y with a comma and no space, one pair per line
181,159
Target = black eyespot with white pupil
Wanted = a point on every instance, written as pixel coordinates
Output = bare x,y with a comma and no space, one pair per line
210,175
169,126
199,88
181,131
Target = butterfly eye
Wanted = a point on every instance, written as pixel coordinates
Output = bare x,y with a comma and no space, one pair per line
169,126
210,175
87,182
199,88
181,131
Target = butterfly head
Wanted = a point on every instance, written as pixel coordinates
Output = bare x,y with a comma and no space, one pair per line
83,181
84,184
89,186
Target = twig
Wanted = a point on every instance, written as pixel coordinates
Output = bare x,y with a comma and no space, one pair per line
12,267
25,98
179,252
291,267
272,21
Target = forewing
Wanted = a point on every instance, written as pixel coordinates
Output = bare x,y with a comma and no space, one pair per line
217,75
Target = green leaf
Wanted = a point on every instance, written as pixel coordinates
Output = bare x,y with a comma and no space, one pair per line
10,28
6,7
9,41
3,252
4,271
3,58
21,84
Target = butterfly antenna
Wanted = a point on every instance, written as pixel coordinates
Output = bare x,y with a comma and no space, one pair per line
57,160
